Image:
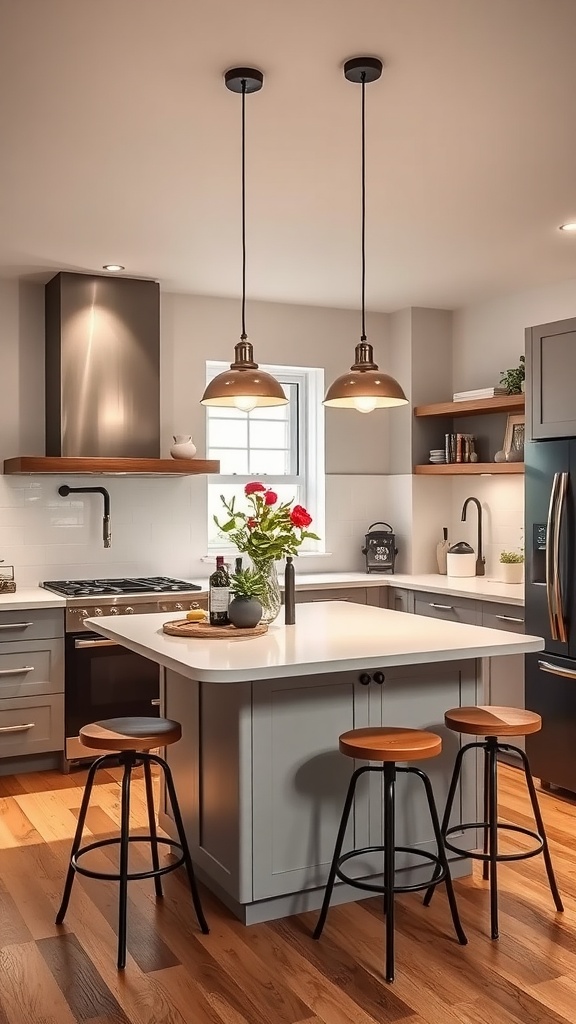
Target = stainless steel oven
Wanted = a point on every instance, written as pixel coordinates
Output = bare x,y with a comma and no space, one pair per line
103,679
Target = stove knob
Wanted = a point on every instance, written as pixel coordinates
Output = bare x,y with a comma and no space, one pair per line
84,614
114,610
128,611
98,611
178,607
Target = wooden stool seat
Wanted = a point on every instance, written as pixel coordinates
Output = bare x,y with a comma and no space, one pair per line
130,733
493,721
389,744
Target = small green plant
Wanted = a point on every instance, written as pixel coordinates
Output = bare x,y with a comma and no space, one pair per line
511,557
513,379
248,583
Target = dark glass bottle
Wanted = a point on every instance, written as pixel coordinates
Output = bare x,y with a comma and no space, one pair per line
219,594
289,593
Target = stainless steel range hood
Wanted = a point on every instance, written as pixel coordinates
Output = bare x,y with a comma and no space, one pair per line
103,380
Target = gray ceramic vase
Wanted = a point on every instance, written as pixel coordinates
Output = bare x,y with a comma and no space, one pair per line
244,612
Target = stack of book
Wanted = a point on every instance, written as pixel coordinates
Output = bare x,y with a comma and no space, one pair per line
470,396
460,448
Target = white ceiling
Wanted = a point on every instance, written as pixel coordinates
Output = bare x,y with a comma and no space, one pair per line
120,143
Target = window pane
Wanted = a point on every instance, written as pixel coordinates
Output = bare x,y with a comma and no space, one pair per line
225,412
269,435
271,412
228,433
274,463
231,460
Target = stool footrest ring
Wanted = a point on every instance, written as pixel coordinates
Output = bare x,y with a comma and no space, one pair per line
115,876
501,826
373,887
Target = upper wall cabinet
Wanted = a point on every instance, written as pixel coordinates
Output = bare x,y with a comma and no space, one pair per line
551,373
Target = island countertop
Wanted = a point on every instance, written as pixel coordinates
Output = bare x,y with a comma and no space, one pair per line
330,636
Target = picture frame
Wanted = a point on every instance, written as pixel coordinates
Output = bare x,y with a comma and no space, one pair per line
514,433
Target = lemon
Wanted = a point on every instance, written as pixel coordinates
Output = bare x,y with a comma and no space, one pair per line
196,615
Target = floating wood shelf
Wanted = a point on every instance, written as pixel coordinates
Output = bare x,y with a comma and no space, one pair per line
143,467
469,468
502,403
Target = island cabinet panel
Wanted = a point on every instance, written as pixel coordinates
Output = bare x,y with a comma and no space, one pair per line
398,599
300,779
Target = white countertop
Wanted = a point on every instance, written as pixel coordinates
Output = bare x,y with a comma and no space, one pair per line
30,597
476,587
329,636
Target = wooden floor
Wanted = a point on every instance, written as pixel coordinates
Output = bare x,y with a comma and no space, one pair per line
275,973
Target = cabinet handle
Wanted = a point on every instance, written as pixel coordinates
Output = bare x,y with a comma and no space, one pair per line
508,618
379,678
16,671
444,607
364,679
556,670
95,643
156,702
17,728
15,625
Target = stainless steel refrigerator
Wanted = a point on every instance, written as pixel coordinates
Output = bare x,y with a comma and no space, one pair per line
550,547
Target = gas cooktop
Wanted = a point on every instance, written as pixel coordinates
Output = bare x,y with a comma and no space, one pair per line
97,588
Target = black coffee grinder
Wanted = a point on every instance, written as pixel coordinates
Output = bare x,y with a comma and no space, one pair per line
380,549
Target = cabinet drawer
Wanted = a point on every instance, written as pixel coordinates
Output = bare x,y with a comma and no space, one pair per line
443,606
30,668
31,725
41,623
503,616
357,595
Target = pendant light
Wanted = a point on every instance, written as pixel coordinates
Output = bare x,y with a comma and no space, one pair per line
364,387
244,386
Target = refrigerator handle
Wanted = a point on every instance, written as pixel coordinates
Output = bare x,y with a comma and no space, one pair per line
550,534
556,670
557,580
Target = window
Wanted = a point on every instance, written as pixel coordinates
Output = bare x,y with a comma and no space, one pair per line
283,446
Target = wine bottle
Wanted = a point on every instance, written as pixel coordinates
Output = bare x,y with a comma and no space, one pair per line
289,593
219,594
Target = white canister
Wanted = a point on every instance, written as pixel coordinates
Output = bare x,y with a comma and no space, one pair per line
461,560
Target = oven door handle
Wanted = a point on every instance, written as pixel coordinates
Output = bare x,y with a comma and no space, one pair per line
95,643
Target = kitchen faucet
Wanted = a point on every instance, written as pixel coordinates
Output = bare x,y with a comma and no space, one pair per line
480,560
64,491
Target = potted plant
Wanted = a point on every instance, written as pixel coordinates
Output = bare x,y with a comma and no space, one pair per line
513,379
511,567
248,587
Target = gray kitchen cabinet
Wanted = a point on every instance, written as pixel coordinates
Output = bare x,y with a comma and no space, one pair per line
551,371
31,686
444,606
505,676
398,599
358,595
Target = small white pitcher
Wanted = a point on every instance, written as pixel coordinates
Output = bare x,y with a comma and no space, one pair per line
183,447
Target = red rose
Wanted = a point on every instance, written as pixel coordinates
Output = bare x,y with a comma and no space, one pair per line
253,488
251,523
300,517
270,498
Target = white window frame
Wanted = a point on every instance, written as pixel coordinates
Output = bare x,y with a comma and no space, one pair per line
307,449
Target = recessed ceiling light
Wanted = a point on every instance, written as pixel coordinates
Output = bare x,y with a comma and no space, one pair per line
571,226
115,267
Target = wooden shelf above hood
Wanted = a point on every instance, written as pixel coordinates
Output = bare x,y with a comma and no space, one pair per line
145,467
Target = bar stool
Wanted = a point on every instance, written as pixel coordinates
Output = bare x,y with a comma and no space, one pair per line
492,722
390,745
131,739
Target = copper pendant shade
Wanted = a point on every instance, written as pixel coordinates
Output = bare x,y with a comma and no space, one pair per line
364,387
244,386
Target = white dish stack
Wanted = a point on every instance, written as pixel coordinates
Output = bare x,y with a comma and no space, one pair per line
437,456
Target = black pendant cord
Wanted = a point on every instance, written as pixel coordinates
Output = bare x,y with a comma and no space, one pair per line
243,336
363,337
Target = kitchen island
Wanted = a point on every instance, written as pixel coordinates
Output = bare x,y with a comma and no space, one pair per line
258,773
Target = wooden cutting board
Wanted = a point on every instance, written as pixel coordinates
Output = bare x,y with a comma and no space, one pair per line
204,631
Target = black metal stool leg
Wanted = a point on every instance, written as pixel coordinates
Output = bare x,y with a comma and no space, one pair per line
448,811
492,750
485,865
183,842
78,837
128,761
152,826
541,830
337,851
389,862
442,856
